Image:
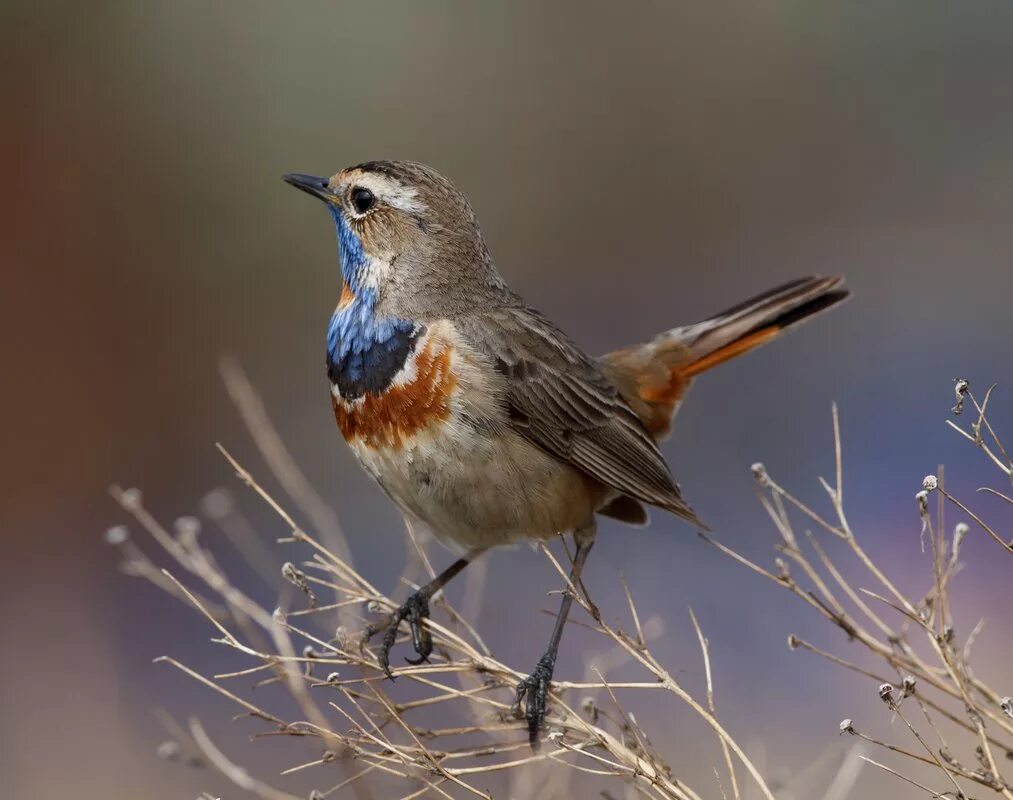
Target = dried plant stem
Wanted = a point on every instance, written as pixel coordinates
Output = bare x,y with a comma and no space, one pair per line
705,649
945,669
457,726
384,738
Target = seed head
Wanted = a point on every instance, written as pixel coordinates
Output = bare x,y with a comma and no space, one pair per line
131,498
960,388
117,535
168,750
217,504
960,530
187,527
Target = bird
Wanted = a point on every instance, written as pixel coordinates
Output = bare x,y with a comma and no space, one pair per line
480,419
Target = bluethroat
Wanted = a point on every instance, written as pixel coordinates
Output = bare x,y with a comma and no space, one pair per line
477,416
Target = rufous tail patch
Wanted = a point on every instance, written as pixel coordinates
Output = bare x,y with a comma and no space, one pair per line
661,389
729,351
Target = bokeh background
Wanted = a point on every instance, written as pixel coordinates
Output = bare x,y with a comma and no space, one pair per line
634,166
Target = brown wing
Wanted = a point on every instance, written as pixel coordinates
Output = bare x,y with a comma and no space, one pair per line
559,399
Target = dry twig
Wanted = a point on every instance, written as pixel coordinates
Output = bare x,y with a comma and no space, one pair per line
942,679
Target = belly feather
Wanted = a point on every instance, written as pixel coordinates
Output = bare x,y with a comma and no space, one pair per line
440,445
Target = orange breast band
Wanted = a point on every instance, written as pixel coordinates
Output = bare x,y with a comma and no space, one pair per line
389,419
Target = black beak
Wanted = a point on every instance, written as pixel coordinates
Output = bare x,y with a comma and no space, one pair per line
311,184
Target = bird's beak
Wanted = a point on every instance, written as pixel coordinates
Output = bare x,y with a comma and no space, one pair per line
311,184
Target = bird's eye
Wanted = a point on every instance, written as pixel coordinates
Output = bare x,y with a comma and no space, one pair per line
362,200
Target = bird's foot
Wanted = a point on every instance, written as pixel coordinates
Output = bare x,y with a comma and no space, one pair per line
414,610
533,692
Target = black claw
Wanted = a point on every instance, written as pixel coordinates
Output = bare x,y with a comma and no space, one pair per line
534,689
414,610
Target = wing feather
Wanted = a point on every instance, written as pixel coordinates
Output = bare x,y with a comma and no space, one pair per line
559,399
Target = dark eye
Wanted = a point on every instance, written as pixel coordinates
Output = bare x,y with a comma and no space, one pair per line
362,200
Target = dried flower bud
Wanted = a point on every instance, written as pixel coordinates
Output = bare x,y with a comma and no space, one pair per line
846,726
960,530
930,483
187,529
1007,706
117,535
131,498
168,750
793,641
960,389
295,576
217,504
187,524
886,693
278,616
760,474
782,569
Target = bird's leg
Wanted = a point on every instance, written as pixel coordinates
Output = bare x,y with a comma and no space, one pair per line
534,689
415,609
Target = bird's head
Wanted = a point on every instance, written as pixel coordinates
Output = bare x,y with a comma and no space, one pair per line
407,236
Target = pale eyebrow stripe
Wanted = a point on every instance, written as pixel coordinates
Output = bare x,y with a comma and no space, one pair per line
392,192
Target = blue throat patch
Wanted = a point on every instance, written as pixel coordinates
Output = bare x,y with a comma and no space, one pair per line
364,351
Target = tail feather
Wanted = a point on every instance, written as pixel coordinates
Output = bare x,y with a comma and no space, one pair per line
653,377
777,309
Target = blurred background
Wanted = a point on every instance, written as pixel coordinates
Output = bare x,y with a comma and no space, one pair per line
634,167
